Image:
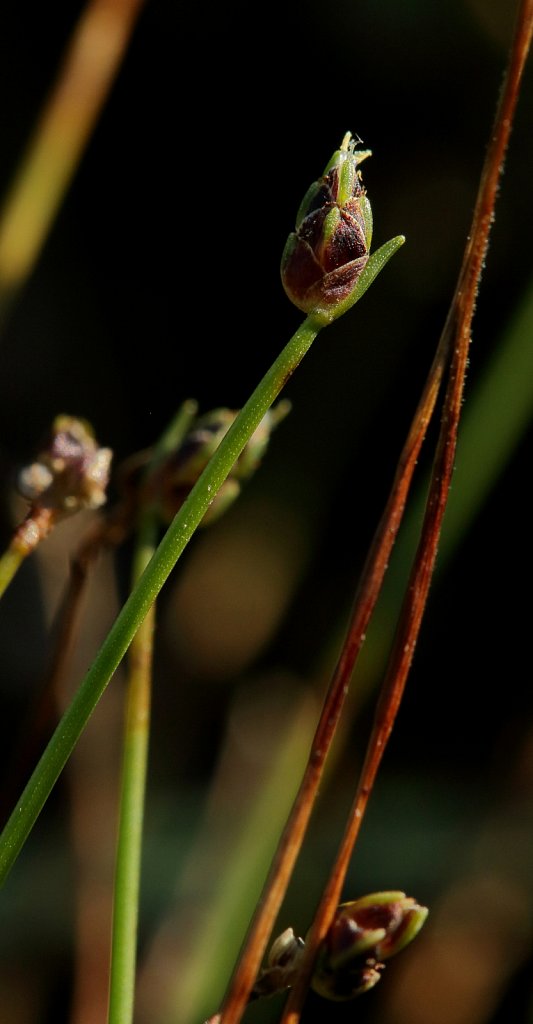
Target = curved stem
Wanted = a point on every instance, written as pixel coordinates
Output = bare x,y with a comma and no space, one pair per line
136,607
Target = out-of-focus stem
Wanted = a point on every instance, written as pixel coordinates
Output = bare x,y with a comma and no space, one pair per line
10,563
89,67
35,527
135,757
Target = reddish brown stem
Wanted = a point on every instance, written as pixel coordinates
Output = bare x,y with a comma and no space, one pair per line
34,529
459,323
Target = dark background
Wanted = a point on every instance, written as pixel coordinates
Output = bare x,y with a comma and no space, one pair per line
159,281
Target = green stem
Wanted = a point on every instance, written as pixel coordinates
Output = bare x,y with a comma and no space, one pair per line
160,566
28,535
136,607
134,764
135,758
10,563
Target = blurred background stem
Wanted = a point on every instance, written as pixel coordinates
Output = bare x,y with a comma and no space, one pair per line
135,758
89,67
135,755
10,562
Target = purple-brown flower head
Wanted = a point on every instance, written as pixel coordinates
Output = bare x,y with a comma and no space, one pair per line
363,934
327,253
178,474
282,966
71,473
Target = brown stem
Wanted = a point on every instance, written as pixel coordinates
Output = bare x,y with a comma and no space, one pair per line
34,529
366,597
459,321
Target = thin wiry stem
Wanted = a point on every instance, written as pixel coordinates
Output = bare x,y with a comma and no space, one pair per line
154,576
158,569
10,563
366,597
134,767
135,754
90,64
459,324
35,527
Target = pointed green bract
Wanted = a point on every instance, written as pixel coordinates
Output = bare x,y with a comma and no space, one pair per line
376,262
363,934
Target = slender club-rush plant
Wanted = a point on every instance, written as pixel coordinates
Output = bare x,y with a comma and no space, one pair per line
327,262
159,568
265,761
